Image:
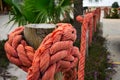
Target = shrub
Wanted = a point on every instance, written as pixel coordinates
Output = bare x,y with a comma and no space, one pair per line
115,5
39,11
114,13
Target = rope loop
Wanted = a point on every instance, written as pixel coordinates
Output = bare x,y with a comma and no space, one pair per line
55,54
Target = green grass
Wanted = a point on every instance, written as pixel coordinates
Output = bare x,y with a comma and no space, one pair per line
96,61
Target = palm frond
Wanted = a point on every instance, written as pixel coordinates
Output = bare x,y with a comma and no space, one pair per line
16,12
39,11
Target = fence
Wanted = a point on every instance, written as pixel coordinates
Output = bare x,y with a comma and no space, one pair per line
89,22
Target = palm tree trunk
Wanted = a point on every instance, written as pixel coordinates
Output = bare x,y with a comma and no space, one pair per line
78,10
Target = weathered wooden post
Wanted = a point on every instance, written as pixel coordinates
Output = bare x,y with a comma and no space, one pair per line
35,33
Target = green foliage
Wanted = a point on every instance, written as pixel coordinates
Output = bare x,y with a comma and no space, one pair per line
38,11
96,61
16,13
114,13
114,10
115,5
3,59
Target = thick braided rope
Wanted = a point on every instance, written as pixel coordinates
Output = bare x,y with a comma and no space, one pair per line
88,23
58,54
93,22
55,54
17,50
85,23
96,16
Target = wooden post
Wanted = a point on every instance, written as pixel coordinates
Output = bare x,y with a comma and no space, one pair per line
1,5
35,33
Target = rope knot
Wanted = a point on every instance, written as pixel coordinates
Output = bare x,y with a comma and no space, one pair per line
79,19
55,54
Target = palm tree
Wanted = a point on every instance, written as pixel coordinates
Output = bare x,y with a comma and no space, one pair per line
78,10
38,11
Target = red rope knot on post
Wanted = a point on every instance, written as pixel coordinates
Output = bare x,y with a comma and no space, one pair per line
55,54
87,22
86,25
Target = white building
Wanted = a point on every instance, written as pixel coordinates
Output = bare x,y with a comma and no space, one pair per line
100,3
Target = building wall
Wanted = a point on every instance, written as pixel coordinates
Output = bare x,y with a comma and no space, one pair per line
100,3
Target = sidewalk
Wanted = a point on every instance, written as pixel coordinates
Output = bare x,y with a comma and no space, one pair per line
4,30
111,31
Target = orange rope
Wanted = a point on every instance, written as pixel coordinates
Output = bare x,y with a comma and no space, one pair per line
88,23
55,54
85,24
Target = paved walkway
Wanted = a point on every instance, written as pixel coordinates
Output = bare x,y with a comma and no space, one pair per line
4,30
111,31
